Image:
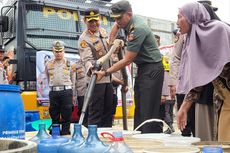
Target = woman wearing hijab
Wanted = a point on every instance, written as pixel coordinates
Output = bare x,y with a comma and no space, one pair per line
200,117
205,58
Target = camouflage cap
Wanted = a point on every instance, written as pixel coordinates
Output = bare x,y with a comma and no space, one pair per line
209,3
58,45
92,14
120,8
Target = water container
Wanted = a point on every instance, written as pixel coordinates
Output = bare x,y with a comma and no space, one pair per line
76,141
42,134
118,144
52,144
12,116
92,143
212,150
55,130
31,116
77,135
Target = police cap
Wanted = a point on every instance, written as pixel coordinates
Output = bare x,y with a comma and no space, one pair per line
119,8
92,14
209,3
58,46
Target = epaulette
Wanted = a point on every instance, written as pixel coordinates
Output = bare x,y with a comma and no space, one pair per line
67,63
83,34
103,32
50,63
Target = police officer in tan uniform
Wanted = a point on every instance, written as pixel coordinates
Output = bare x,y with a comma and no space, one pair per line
3,73
92,46
60,76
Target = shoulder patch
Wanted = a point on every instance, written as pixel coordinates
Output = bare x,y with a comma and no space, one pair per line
130,37
83,44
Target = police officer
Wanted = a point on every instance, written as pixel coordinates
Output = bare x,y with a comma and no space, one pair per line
60,77
142,50
81,85
92,46
2,51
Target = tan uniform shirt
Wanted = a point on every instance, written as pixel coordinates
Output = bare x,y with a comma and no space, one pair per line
3,75
59,73
97,41
117,75
165,88
81,82
175,62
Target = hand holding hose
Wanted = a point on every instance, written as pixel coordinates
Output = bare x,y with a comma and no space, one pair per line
116,44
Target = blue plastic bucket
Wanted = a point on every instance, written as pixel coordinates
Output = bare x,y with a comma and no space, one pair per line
31,116
12,118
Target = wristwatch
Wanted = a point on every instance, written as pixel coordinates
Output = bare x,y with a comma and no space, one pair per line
107,73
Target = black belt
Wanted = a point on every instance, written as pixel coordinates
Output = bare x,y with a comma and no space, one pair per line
60,88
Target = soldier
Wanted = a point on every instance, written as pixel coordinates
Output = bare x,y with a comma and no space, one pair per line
92,46
60,76
143,51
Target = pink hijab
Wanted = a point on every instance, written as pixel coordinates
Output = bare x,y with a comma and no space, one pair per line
206,49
